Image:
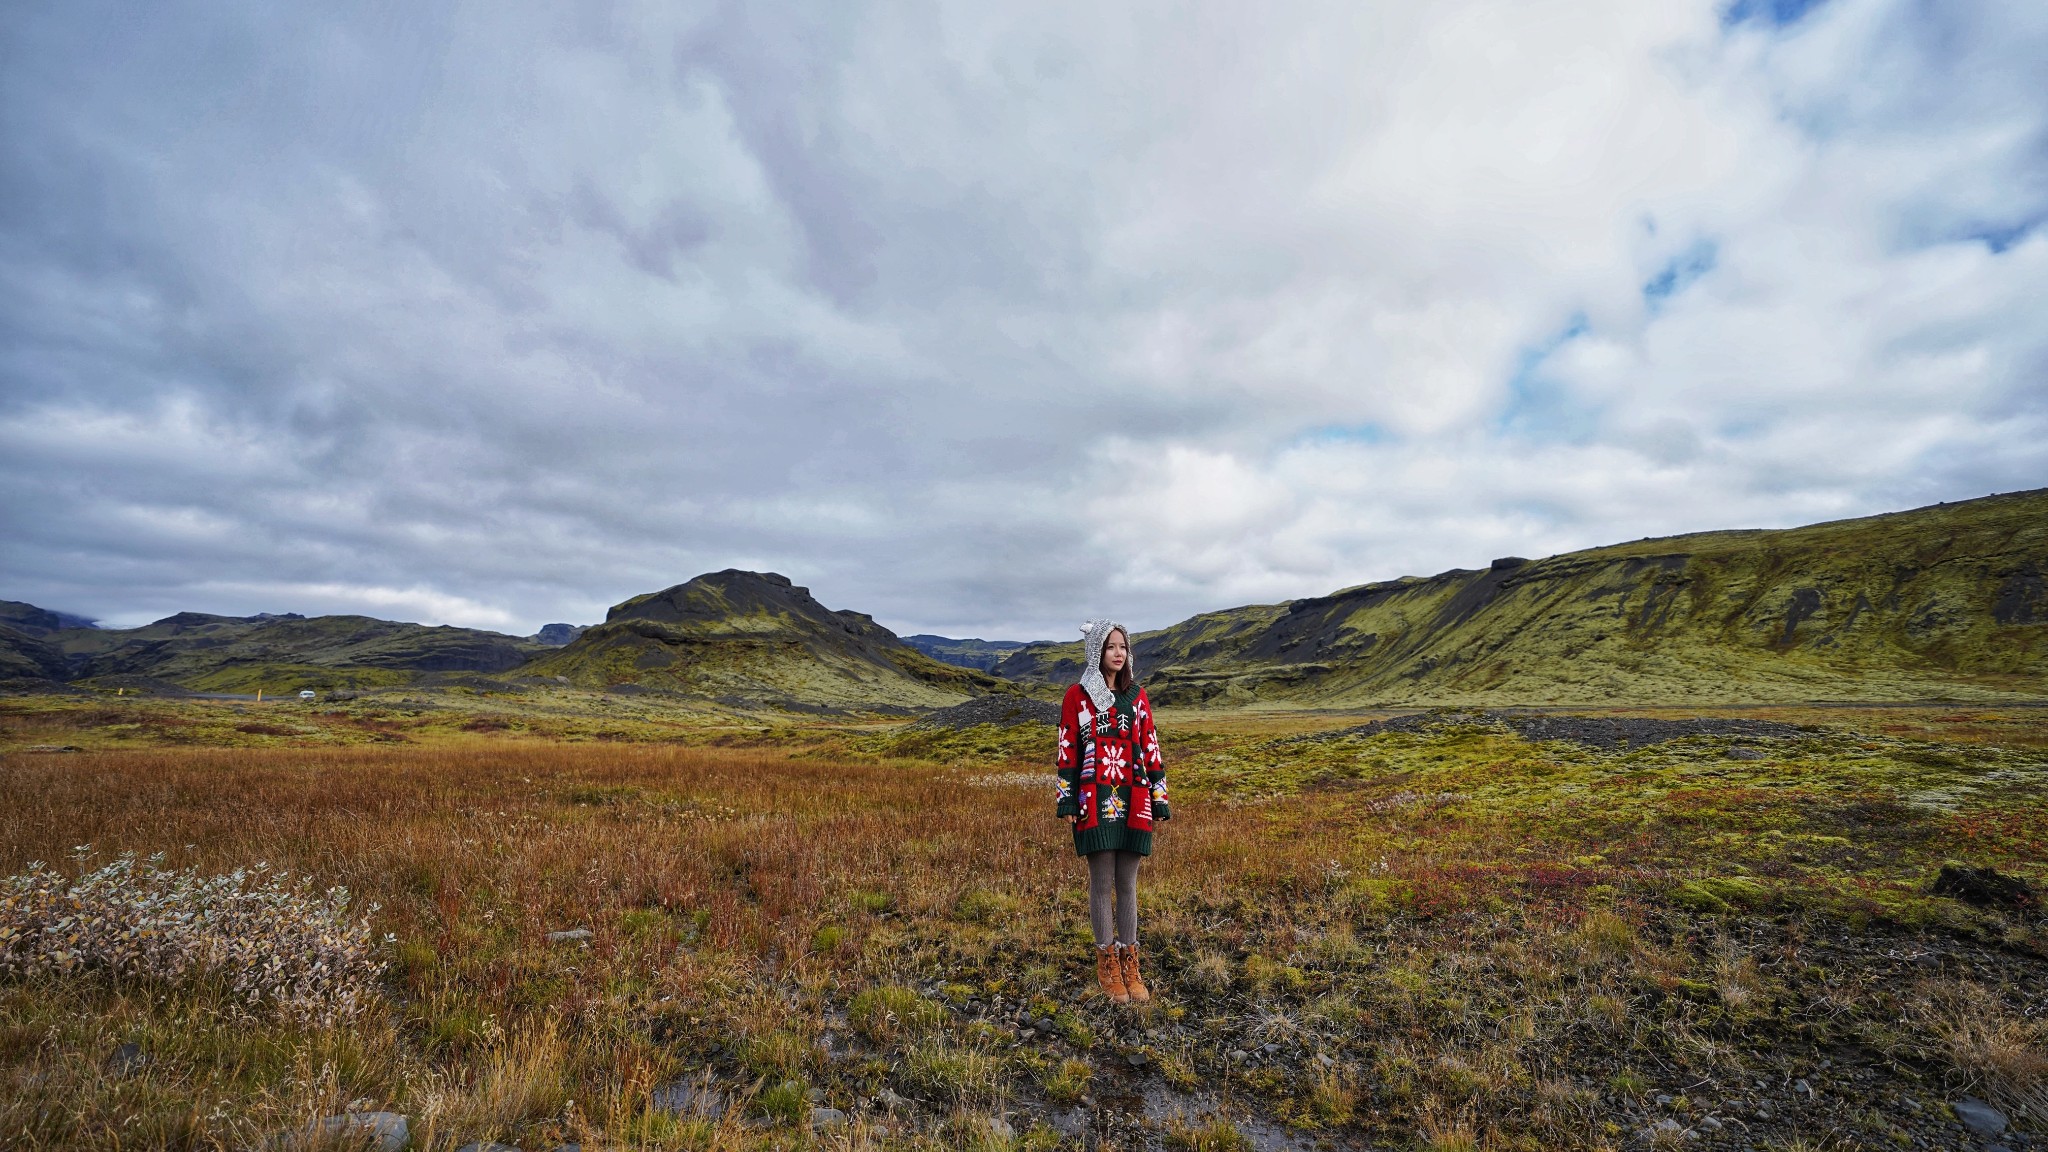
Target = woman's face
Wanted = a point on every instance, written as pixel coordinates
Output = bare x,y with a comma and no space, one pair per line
1116,651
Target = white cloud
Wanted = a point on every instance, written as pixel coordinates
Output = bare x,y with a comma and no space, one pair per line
506,318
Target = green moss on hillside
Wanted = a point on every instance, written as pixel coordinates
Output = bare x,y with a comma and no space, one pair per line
1936,603
755,640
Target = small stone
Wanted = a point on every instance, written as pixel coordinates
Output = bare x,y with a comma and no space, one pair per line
1323,1058
1001,1129
815,1095
1027,1033
1136,1059
1666,1129
827,1118
1909,1104
1802,1088
376,1131
1710,1123
1239,1055
487,1146
1044,1024
127,1060
1763,1113
889,1101
1663,1100
684,1099
1269,1048
1740,753
1979,1117
568,935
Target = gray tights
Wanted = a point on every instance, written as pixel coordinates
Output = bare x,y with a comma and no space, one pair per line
1122,869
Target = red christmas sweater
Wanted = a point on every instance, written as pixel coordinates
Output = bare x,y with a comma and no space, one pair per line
1111,775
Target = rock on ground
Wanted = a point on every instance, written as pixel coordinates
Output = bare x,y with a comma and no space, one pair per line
375,1131
1979,1117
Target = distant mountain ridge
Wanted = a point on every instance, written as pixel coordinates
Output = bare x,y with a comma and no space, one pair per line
33,621
280,652
745,639
1945,601
1939,601
977,653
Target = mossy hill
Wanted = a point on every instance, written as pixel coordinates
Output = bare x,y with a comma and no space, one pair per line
1944,602
751,639
278,653
25,653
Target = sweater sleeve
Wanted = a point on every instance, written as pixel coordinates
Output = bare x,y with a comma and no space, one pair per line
1067,762
1149,758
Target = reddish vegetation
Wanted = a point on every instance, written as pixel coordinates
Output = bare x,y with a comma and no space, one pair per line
1448,936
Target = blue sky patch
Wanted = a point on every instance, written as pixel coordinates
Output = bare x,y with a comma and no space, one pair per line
1679,274
1538,406
1777,13
1998,239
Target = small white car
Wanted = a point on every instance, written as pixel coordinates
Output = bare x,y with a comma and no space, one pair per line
306,694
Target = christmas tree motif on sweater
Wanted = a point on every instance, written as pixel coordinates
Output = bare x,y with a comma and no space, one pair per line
1113,806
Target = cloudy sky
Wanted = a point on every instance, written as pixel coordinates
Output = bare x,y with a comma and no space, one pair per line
986,317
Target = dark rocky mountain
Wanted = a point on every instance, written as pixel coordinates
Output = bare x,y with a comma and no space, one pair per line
754,639
33,621
557,635
981,654
1945,601
24,657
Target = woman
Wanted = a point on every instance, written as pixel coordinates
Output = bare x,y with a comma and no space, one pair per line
1112,790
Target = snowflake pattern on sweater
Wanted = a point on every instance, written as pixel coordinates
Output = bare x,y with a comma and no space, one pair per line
1111,776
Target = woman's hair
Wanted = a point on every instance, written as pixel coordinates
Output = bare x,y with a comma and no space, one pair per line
1121,682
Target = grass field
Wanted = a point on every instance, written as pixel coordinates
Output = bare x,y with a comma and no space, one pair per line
1445,936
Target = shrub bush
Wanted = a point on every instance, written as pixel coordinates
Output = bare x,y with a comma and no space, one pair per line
281,947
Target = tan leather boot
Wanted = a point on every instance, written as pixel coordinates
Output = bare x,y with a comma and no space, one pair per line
1109,972
1134,984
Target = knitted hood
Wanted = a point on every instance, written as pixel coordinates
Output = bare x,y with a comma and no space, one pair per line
1097,633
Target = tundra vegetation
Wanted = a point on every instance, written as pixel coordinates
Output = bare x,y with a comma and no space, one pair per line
1444,930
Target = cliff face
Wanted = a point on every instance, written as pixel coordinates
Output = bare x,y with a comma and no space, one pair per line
753,638
1941,601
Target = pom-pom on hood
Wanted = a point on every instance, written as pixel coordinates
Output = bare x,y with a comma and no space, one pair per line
1096,634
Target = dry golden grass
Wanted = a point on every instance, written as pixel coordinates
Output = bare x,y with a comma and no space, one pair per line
1507,969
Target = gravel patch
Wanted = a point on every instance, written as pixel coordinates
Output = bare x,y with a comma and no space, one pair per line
1604,732
1002,711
